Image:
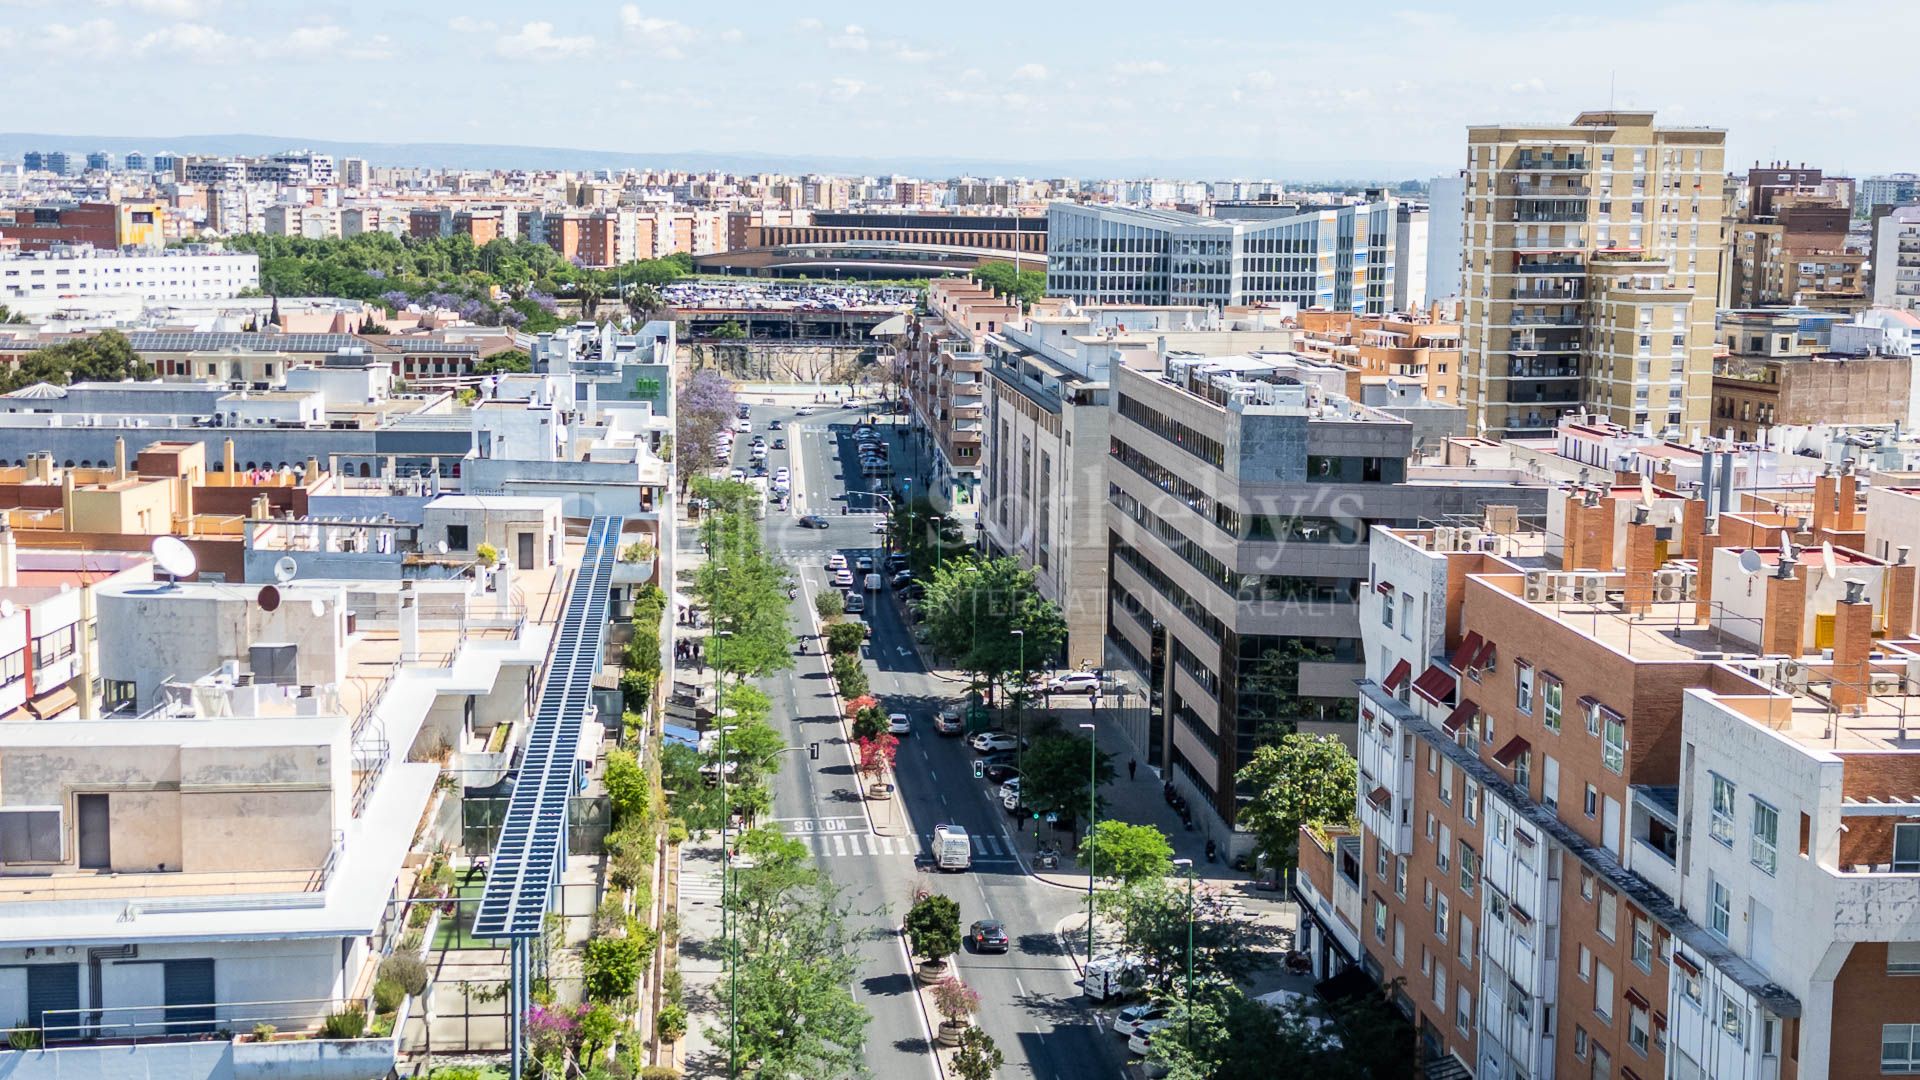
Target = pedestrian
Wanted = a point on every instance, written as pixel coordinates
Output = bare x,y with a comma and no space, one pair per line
1133,767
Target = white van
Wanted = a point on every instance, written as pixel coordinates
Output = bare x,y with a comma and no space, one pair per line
853,603
873,583
1114,977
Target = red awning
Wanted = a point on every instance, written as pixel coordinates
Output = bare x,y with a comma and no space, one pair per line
1397,677
1635,997
1458,718
1380,798
1659,1018
1628,1074
1484,658
1680,960
1469,648
1383,587
1511,752
1434,684
1588,701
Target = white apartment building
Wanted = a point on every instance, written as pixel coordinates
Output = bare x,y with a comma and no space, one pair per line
1896,259
63,273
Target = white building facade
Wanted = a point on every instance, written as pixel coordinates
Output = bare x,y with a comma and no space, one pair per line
185,274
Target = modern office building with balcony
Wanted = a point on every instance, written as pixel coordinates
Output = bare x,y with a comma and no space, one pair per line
1240,493
1637,804
1896,259
1340,258
1592,256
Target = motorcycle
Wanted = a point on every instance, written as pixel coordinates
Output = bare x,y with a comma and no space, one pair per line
1212,852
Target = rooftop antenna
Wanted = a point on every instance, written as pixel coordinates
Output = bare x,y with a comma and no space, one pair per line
175,558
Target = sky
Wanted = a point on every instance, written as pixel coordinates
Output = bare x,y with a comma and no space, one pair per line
1825,83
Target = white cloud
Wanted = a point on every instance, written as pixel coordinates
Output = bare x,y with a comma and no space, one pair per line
320,39
97,37
467,24
663,37
845,89
166,9
537,41
1141,67
810,25
6,37
1031,72
1529,86
188,39
731,35
1260,80
853,38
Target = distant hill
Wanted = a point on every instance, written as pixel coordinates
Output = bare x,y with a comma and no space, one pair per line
490,156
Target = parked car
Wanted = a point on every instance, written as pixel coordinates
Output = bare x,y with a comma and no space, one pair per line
1073,682
1010,800
948,721
782,474
813,521
896,561
1131,1017
988,935
1000,774
989,741
1141,1041
738,474
902,578
897,724
743,425
779,444
853,603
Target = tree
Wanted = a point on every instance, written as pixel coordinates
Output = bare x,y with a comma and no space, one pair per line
628,792
973,608
1299,780
876,755
932,927
978,1058
1126,853
1054,775
869,723
1023,285
644,301
509,362
1153,915
729,331
828,605
791,967
954,1000
846,638
104,357
10,317
704,405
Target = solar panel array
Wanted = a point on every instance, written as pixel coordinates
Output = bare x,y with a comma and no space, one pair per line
533,839
163,341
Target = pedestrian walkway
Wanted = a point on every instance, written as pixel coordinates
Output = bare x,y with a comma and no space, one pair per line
987,848
702,960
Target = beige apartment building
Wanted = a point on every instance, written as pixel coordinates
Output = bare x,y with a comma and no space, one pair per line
1592,255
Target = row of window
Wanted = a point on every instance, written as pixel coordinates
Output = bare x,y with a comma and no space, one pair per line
1193,442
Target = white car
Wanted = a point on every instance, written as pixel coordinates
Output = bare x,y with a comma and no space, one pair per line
1142,1038
897,724
1010,789
864,564
743,425
738,474
836,561
1129,1019
1073,682
781,475
843,578
988,742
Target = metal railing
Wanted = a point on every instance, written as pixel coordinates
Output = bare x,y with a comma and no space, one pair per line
152,1023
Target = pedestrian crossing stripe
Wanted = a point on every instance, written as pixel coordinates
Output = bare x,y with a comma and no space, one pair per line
849,844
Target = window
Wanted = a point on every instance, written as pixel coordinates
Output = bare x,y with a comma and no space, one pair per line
1441,924
1426,893
1379,920
1593,800
1523,772
1733,1018
1906,849
1613,752
1386,610
1719,909
1443,851
1580,1042
1446,781
1433,824
1583,966
1399,942
1550,702
1689,986
1523,686
1463,1011
1766,828
1592,709
30,835
1643,942
1603,992
1406,616
456,538
1900,1048
1721,828
1469,868
1470,809
1380,860
1602,1064
13,667
1609,914
1903,958
1400,877
1637,1027
1440,985
1466,941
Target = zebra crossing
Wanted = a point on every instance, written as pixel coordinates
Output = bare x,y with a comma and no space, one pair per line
829,839
700,886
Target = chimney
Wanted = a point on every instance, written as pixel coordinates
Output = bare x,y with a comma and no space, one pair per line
409,623
1899,594
1693,525
9,557
1783,625
1703,583
119,457
1641,556
1847,512
1825,502
1852,642
227,459
66,499
313,470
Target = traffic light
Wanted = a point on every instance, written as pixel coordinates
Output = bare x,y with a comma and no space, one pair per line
813,751
979,769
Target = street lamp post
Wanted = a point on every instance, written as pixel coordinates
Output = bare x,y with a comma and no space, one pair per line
1188,863
726,898
1019,720
1093,818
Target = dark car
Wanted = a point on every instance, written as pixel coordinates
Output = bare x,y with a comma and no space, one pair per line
902,579
779,444
912,590
774,426
1000,774
988,935
813,521
896,560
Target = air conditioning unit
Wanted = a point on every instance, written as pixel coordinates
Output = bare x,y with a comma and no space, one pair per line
1672,586
1592,588
1793,674
1445,538
1539,587
1883,683
1468,538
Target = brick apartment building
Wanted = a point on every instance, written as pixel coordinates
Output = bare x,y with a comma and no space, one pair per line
1637,799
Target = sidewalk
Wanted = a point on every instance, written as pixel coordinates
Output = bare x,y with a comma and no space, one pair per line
702,960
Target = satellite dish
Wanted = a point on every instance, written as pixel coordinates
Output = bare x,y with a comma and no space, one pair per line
1646,491
7,609
1786,544
318,607
1750,561
1826,558
285,569
441,547
269,598
174,557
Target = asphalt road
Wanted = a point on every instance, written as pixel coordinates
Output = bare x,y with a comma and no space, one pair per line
878,850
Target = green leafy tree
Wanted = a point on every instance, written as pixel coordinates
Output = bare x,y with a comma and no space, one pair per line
628,791
932,927
869,723
1127,853
973,608
1299,780
1153,915
510,362
846,638
978,1058
612,966
644,302
730,331
104,357
1054,775
829,605
1026,286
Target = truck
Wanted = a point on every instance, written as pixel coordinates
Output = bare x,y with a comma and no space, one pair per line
1114,977
951,848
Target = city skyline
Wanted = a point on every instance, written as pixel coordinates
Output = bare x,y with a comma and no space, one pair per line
1057,87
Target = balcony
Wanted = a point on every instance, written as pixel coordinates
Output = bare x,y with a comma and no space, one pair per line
1542,371
1523,318
1550,266
1532,163
1562,214
1551,296
199,1040
1529,348
1521,189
